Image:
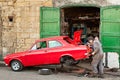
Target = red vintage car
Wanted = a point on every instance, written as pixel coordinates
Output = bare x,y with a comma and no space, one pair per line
54,50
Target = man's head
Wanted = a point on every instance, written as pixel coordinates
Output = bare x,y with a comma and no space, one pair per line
90,40
96,38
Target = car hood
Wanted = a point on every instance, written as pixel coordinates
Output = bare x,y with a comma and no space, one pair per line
15,54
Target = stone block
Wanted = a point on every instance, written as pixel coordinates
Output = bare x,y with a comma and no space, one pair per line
38,14
8,38
15,44
48,3
11,24
33,14
21,41
27,14
35,3
34,35
33,9
17,1
20,50
4,3
5,23
10,3
32,19
18,20
37,8
2,0
19,45
22,35
0,4
5,51
27,8
11,49
17,9
19,30
35,0
37,19
0,49
27,46
30,30
29,41
20,4
18,14
9,44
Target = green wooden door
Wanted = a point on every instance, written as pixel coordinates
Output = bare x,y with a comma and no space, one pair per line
49,22
110,28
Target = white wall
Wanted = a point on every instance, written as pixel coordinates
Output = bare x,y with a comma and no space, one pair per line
112,59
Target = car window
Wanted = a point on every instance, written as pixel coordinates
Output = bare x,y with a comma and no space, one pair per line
54,44
34,47
39,45
43,44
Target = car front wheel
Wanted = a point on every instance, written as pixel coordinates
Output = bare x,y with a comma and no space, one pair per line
16,65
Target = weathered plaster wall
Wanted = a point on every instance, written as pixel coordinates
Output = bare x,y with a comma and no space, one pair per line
59,3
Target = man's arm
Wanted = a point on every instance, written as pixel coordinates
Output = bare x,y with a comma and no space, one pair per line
96,48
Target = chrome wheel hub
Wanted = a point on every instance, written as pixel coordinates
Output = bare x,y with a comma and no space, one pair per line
15,65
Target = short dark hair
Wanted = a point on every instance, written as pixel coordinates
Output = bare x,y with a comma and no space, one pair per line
90,38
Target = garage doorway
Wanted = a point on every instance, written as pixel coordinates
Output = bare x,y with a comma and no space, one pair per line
85,18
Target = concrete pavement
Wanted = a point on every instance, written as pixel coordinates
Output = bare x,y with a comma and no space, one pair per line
82,65
32,74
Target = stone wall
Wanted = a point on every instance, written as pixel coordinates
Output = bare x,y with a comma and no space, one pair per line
27,21
20,26
8,39
0,34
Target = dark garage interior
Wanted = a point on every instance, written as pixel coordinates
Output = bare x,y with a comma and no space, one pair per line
85,18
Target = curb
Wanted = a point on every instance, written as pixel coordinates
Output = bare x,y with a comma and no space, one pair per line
2,64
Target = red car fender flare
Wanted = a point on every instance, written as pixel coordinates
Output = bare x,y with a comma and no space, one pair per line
17,60
67,55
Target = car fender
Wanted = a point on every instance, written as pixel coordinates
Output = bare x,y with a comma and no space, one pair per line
67,55
17,60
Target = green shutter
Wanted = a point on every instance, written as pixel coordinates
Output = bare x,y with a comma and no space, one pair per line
110,28
49,22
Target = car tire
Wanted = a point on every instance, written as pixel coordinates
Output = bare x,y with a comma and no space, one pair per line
76,62
69,61
45,71
16,65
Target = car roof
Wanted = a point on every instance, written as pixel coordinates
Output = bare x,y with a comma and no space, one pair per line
52,38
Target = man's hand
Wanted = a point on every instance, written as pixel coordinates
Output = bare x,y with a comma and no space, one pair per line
93,53
88,55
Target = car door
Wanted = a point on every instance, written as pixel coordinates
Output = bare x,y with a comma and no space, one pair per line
38,54
55,51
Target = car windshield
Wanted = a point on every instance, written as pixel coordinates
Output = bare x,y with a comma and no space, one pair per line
68,40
